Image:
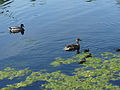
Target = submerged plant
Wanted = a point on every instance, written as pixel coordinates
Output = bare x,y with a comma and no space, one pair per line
95,74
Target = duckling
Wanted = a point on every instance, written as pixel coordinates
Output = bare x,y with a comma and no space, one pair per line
73,47
82,61
89,55
117,50
17,29
86,50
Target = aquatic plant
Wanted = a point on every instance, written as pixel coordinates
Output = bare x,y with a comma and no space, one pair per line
11,73
97,73
58,61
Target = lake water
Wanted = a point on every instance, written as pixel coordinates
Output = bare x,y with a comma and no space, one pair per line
50,25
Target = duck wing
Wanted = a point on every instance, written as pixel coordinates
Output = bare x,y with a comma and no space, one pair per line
12,28
69,47
15,29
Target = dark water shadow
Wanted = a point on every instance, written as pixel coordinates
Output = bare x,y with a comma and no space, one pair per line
34,86
5,2
40,2
3,33
32,0
117,2
89,0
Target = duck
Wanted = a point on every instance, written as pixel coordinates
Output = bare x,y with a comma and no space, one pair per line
89,55
86,50
73,47
17,29
82,61
117,50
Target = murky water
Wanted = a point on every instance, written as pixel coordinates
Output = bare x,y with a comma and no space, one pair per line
50,25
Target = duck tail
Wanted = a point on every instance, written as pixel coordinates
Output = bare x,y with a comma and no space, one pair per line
9,28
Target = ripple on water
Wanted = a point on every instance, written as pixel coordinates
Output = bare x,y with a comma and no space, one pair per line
2,33
52,25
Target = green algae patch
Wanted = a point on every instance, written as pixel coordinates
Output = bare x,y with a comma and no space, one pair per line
95,74
11,73
109,54
59,61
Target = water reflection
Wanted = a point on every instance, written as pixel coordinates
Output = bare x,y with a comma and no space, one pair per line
3,7
4,11
89,0
5,2
118,1
8,13
36,2
32,0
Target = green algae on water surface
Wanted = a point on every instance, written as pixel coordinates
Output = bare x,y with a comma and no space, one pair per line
95,74
11,73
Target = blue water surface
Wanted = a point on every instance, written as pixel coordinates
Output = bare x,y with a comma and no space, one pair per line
52,24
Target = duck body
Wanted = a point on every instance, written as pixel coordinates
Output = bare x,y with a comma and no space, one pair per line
117,50
86,50
81,62
17,29
73,47
88,56
84,59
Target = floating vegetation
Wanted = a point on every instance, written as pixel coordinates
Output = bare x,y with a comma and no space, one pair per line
60,61
110,55
11,73
96,74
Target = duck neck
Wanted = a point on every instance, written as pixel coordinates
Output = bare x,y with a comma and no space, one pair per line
77,43
22,25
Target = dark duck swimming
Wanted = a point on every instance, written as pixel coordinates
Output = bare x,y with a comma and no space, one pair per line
73,47
17,29
86,50
84,59
117,50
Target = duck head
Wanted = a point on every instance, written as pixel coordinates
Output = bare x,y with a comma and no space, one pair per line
22,25
77,40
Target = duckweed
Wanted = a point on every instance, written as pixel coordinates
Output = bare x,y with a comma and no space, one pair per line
60,61
95,74
109,54
11,73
